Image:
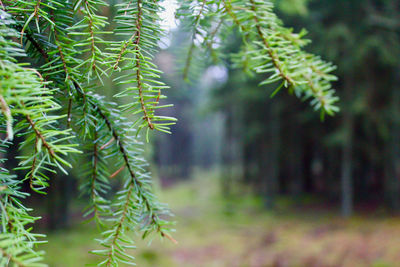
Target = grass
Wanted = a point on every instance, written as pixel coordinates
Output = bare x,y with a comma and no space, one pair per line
214,231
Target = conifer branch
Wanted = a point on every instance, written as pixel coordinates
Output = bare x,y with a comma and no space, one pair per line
191,47
92,44
210,38
67,48
67,76
11,259
287,62
121,147
37,46
117,232
136,51
40,136
138,59
271,53
229,11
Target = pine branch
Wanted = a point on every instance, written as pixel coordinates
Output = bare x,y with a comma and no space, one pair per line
191,48
273,57
11,259
284,60
134,193
138,67
125,156
135,53
94,24
73,57
40,136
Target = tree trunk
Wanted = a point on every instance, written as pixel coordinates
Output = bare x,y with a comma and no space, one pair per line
269,158
347,152
227,154
347,167
392,168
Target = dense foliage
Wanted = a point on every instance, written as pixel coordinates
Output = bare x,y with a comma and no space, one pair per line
55,59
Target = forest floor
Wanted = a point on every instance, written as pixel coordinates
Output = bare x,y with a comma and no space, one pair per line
213,231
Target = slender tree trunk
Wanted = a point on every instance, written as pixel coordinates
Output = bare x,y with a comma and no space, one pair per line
52,204
269,164
227,155
66,190
347,154
247,153
296,170
308,184
392,168
347,167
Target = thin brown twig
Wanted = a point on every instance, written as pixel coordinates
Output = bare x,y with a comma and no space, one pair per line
37,6
35,14
108,143
11,258
130,2
33,167
173,240
7,114
117,171
123,49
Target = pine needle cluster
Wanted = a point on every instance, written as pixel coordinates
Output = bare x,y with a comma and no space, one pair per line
55,56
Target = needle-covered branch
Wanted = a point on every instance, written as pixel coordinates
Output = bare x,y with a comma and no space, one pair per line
77,49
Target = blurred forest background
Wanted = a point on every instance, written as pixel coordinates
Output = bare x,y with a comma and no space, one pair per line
256,181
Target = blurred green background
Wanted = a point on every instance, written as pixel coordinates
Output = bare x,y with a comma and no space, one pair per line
255,181
213,230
